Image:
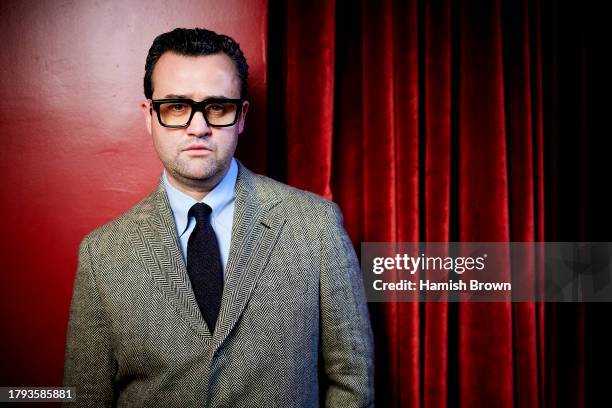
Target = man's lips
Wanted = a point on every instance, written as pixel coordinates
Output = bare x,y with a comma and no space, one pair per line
196,148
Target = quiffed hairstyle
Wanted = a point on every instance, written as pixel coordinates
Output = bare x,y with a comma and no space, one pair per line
195,42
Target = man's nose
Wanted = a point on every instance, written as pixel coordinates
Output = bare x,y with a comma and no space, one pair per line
198,126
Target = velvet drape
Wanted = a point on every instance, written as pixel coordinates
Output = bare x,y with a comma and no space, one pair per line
442,121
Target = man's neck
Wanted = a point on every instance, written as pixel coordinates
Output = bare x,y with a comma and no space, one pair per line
196,189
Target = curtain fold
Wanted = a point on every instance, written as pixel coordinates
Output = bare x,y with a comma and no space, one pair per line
310,95
437,121
485,330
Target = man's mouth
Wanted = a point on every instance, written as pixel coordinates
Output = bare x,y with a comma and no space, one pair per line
195,148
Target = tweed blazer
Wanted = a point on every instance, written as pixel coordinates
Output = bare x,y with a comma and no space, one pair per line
293,328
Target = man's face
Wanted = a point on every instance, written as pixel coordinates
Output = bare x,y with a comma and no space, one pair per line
198,156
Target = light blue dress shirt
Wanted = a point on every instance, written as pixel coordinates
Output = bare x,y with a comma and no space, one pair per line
220,199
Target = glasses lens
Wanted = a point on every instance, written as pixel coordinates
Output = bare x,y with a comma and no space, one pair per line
174,113
221,113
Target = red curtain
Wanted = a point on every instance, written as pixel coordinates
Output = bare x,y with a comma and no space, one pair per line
441,121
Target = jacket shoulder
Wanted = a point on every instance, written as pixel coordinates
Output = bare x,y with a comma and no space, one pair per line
291,196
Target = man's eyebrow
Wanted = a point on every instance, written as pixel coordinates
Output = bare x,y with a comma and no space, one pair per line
218,97
175,96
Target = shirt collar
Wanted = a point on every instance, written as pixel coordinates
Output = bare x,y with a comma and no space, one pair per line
218,198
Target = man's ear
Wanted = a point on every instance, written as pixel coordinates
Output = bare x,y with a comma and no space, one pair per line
147,111
245,109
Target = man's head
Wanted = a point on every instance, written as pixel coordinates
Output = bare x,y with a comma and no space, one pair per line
194,43
195,141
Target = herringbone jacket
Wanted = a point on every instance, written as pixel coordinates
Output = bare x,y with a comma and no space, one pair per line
293,329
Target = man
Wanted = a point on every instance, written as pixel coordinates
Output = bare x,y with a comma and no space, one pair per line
222,288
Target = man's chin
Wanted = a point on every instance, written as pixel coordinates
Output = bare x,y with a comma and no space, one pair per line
195,177
201,175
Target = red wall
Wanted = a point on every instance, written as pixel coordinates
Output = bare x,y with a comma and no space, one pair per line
75,153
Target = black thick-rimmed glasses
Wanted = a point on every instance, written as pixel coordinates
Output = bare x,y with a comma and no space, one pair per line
178,112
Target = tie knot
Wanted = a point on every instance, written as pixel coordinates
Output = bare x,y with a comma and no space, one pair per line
201,212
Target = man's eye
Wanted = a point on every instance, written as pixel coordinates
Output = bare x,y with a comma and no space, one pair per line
178,107
215,108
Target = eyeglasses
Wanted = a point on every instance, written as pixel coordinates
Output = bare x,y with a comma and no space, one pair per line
178,112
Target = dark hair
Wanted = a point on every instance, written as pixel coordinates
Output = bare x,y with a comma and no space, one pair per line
195,42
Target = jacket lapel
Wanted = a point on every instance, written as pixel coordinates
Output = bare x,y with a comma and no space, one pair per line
157,246
255,230
254,233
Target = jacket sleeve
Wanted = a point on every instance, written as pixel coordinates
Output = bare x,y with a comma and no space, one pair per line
346,335
89,362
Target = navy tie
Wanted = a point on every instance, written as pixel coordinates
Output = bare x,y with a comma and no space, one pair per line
204,265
